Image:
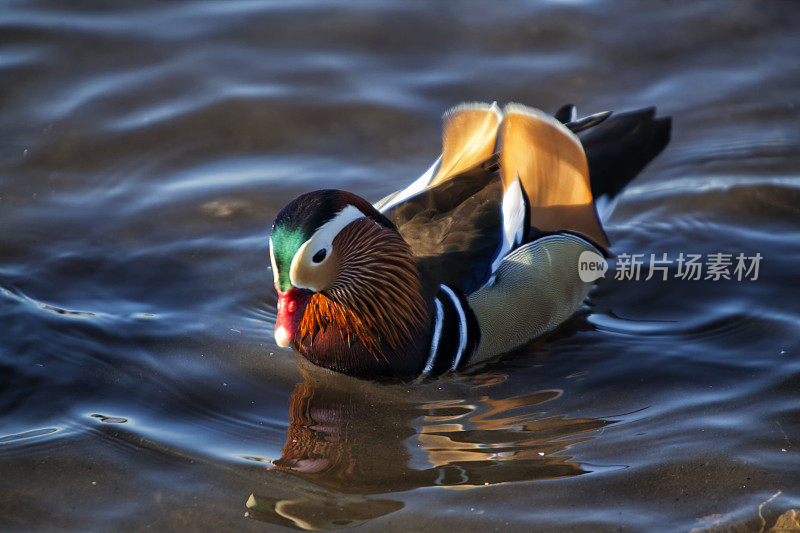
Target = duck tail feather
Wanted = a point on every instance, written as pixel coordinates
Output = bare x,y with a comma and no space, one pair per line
620,146
566,113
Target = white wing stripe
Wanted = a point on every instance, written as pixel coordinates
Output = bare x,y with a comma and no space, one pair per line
419,185
462,325
437,333
513,221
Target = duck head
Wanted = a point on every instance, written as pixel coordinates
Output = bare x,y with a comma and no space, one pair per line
344,276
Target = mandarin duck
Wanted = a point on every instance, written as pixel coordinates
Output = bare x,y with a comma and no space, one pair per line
475,258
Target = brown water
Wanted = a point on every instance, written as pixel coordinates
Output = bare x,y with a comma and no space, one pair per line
146,148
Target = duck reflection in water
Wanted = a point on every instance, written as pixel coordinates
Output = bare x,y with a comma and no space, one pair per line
349,439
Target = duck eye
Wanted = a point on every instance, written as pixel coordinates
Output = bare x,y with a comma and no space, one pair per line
319,256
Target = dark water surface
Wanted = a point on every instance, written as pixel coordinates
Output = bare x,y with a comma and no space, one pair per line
146,148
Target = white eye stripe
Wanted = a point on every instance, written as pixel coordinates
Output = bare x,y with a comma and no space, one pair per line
322,238
328,231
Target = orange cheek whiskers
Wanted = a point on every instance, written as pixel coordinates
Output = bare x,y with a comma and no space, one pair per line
376,299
